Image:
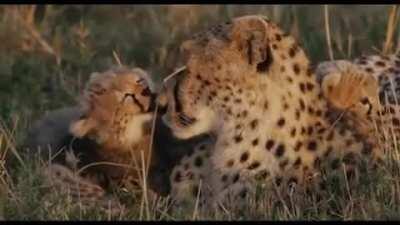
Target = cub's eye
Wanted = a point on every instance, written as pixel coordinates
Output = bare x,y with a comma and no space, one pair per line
141,81
135,100
365,101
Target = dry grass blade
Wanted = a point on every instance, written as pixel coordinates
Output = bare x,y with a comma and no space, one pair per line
117,58
7,136
328,32
37,36
349,45
391,27
145,189
196,207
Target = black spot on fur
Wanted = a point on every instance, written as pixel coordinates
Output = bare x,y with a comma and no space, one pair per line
312,146
255,142
280,150
229,163
296,69
298,146
269,144
302,87
293,132
254,165
253,124
244,157
281,122
238,138
310,86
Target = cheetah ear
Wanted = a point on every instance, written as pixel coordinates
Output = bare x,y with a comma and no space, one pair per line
82,127
250,35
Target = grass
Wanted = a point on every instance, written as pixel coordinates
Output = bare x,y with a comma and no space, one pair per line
48,53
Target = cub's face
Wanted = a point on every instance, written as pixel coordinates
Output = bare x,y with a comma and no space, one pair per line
116,106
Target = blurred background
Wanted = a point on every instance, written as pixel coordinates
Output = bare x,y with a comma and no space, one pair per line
48,52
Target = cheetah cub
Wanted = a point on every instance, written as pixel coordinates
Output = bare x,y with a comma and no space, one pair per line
102,141
107,137
366,92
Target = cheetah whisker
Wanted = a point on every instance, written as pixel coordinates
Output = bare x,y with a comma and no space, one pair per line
102,163
180,69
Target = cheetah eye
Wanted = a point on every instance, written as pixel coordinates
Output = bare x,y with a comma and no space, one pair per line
185,120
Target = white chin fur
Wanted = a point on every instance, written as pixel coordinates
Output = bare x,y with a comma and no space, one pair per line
134,130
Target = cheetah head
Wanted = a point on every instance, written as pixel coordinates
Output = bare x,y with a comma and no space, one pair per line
117,105
347,87
234,67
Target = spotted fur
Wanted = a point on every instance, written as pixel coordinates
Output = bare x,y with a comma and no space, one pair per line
250,86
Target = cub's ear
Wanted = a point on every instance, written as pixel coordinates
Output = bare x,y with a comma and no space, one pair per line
82,127
250,37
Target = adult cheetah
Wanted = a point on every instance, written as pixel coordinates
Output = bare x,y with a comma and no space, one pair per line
250,86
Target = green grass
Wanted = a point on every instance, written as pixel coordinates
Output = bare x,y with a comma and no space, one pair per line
82,40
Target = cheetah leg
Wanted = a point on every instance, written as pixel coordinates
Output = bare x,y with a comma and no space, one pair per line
81,190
